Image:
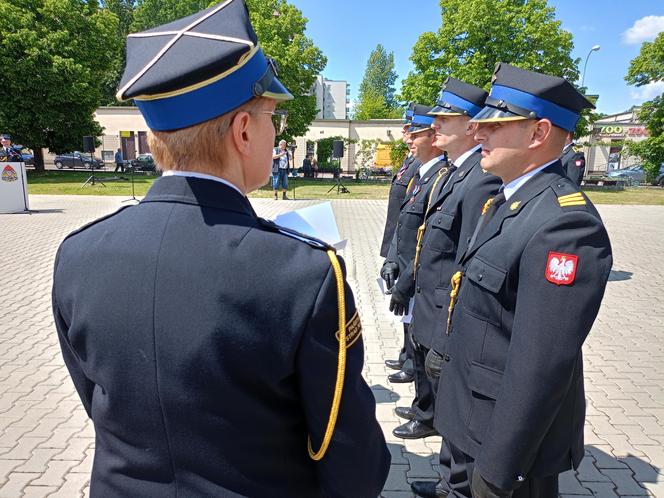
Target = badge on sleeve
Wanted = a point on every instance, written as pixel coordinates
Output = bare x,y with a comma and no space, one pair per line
353,330
561,268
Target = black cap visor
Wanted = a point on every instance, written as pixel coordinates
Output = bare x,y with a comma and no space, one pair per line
499,110
447,110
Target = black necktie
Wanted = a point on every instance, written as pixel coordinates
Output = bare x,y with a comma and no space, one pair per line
491,209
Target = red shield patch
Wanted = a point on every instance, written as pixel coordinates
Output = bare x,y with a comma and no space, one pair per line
579,162
561,268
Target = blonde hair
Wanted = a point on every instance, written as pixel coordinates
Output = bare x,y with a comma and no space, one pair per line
197,147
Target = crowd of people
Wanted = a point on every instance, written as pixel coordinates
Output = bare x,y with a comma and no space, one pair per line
241,374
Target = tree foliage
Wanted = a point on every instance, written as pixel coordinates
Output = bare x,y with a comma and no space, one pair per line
476,34
54,56
376,98
281,29
645,68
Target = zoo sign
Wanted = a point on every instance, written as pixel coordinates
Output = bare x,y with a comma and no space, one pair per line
622,131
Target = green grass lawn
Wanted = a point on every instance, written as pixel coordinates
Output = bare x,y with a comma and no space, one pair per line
70,183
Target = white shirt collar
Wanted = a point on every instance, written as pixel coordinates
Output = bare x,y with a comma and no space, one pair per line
194,174
458,162
511,188
568,147
424,169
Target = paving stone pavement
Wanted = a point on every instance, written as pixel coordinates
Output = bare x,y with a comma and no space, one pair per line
47,443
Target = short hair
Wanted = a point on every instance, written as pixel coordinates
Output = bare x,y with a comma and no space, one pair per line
183,149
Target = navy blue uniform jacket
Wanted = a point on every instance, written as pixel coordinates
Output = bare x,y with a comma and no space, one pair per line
450,221
404,241
397,192
202,344
574,164
511,389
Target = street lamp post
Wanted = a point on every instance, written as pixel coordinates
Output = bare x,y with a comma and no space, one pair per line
583,76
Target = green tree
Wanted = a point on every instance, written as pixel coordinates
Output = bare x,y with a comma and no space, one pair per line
281,29
476,34
54,56
376,97
124,11
646,68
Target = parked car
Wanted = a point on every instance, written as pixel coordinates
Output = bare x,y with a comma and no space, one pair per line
77,160
633,173
143,162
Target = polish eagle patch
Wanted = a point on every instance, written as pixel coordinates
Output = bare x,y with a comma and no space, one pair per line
561,268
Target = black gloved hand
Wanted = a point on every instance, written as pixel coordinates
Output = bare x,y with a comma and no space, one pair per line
389,272
398,302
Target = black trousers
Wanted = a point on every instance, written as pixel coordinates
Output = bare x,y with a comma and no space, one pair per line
425,395
457,477
406,353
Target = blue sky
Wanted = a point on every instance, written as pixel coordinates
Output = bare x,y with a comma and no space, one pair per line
348,30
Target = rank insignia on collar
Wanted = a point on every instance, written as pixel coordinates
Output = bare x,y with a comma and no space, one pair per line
515,206
561,268
486,205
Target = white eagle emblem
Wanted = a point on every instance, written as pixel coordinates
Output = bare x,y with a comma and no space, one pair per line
561,268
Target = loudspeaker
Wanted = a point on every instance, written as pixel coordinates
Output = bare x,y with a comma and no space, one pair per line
88,144
338,149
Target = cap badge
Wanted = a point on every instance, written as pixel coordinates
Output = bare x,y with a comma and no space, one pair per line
515,205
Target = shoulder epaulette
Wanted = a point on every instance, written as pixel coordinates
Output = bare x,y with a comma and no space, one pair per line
294,234
568,194
94,222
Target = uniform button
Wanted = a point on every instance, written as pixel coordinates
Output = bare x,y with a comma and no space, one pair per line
480,276
418,290
520,478
439,208
446,357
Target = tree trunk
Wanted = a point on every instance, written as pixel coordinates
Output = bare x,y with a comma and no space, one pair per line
38,158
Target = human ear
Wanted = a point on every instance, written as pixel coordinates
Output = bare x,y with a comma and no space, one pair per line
540,133
239,130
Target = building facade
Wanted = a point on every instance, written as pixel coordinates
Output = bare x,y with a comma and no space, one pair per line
604,147
125,128
332,98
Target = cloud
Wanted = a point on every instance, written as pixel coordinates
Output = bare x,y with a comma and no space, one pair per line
648,92
645,29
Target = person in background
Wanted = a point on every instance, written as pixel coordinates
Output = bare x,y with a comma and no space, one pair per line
314,167
280,162
574,163
306,166
119,162
8,153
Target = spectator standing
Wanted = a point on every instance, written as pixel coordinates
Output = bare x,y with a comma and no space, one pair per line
8,153
314,167
119,162
280,161
306,167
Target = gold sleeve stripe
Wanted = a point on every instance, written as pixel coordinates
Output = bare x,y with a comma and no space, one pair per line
353,330
576,195
575,203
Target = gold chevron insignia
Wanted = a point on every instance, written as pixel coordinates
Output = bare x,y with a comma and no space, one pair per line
515,206
575,199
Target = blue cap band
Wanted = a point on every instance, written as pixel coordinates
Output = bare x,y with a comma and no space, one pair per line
456,101
559,116
409,114
208,102
419,120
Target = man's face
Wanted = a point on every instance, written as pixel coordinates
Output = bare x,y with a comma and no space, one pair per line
5,142
449,130
406,139
282,145
505,146
421,144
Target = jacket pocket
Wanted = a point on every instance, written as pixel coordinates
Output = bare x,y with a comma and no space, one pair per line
485,383
441,237
484,283
413,216
441,296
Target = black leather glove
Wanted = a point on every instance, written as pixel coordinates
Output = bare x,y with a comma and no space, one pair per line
481,488
432,366
389,272
398,302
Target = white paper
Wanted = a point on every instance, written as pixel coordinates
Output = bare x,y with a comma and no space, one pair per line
381,286
316,221
408,317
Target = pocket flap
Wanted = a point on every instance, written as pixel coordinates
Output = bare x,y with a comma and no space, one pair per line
441,296
416,208
486,275
485,380
443,221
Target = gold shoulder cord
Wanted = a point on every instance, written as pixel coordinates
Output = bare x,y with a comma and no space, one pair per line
456,283
420,230
341,367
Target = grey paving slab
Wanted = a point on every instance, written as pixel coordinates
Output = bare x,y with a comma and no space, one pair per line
47,444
